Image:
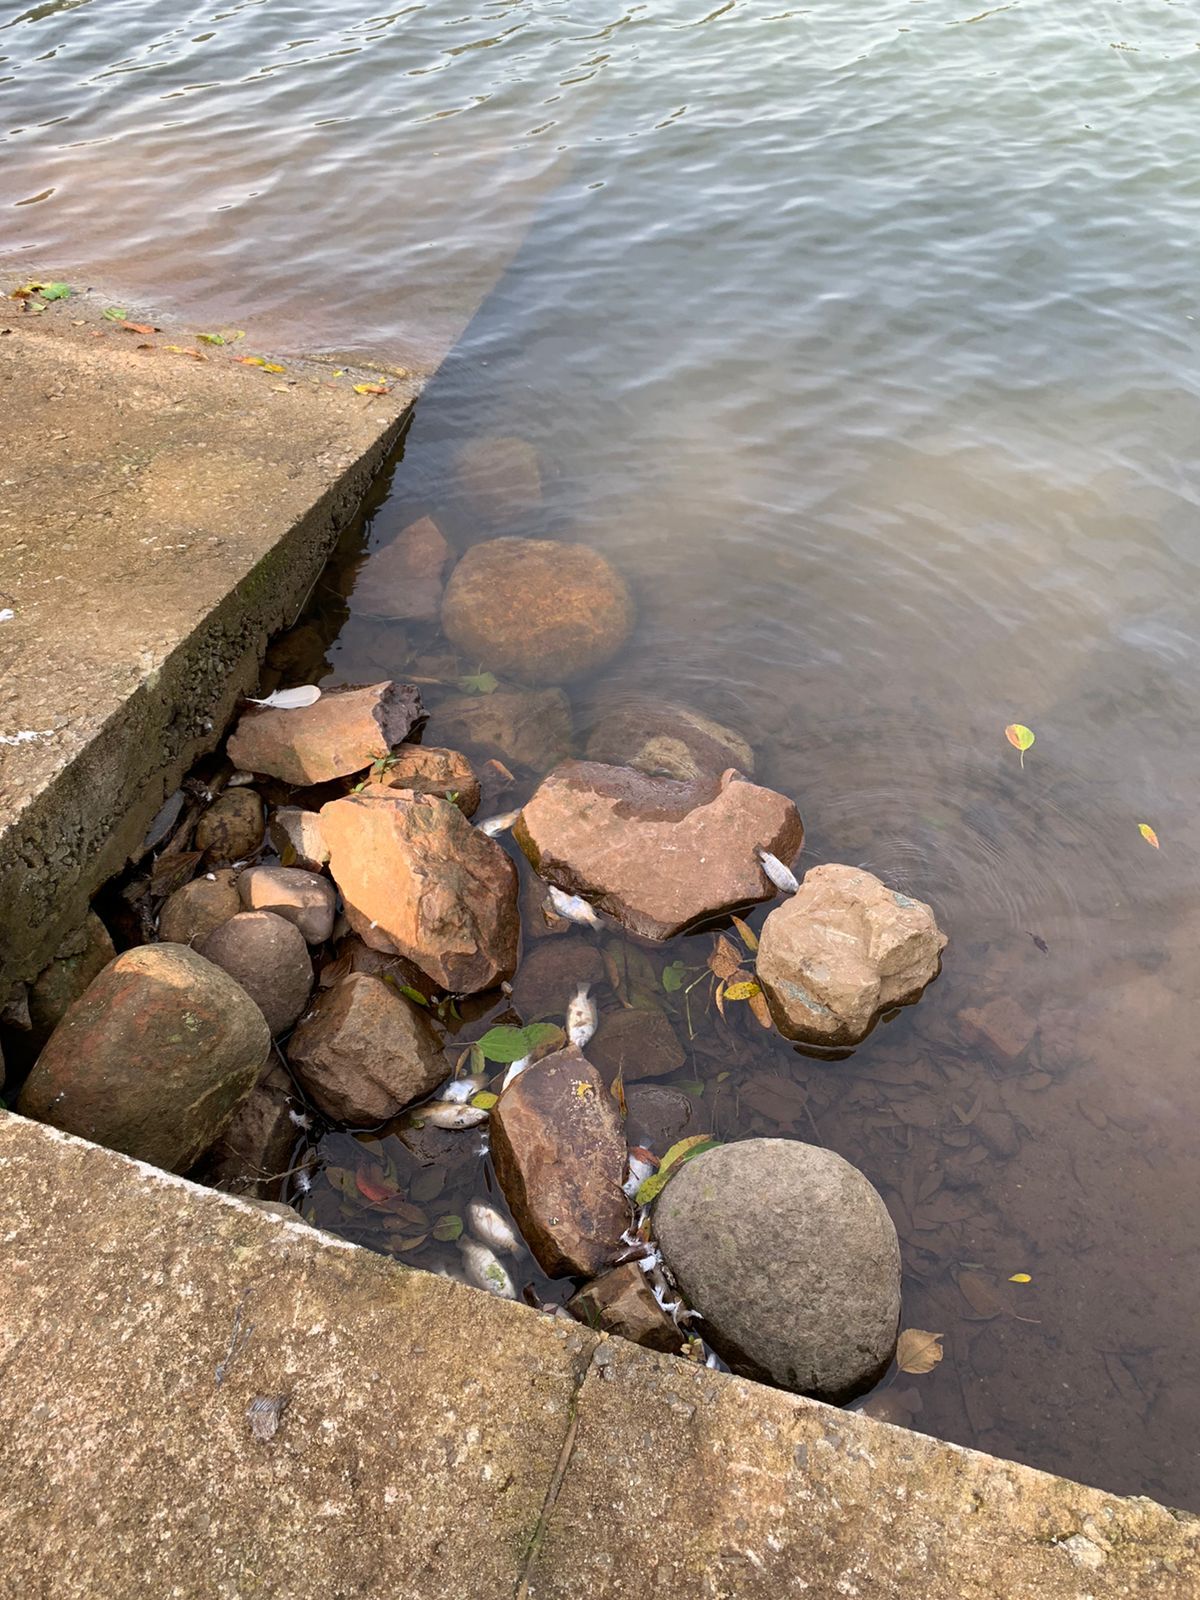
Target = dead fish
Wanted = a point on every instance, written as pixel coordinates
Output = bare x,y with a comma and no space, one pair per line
483,1269
581,1017
456,1090
290,699
573,908
639,1171
239,780
491,826
782,877
450,1114
490,1228
515,1071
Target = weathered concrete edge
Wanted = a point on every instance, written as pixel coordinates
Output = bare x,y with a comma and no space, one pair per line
635,1473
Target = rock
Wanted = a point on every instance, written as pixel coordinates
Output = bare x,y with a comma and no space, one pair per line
499,479
403,580
304,898
364,1052
529,727
550,974
789,1255
355,956
667,741
656,854
1002,1026
998,1131
419,881
536,610
193,912
620,1301
426,769
559,1154
657,1116
60,983
343,732
839,952
267,955
153,1059
256,1148
637,1044
232,827
297,836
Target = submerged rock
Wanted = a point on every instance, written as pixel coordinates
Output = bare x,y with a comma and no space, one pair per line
536,610
190,914
791,1259
403,580
528,727
232,827
551,973
419,881
342,733
297,836
657,1115
499,479
304,898
559,1154
267,955
60,983
620,1301
667,741
840,951
426,769
635,1044
364,1052
656,854
153,1059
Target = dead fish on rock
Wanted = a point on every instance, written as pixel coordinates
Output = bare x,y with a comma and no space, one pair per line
782,877
457,1090
491,826
490,1228
450,1114
573,908
484,1270
581,1017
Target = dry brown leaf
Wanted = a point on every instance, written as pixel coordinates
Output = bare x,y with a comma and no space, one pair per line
719,997
748,936
981,1295
724,960
761,1010
918,1351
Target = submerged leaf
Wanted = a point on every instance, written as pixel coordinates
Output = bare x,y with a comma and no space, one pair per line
448,1227
673,976
484,1100
371,1185
479,683
918,1351
761,1010
1148,833
1020,1277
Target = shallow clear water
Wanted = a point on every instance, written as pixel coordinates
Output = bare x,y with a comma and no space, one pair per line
863,341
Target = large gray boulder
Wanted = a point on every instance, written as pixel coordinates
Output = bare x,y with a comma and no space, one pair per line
789,1255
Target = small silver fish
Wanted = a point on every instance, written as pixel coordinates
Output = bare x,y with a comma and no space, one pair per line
515,1071
490,1228
782,877
452,1114
491,826
456,1090
484,1270
573,908
581,1017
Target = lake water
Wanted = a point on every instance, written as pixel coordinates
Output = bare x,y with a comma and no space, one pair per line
863,340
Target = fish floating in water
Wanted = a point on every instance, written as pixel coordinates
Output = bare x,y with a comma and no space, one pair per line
450,1114
782,877
457,1090
639,1170
491,826
290,699
490,1228
581,1017
515,1071
573,908
483,1269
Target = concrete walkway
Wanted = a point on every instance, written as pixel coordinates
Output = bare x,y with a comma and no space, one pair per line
439,1443
160,517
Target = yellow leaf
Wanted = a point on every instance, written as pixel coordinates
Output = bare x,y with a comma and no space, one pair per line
918,1351
1148,833
370,388
251,361
742,991
1020,1277
748,936
1020,737
182,350
272,366
724,960
761,1010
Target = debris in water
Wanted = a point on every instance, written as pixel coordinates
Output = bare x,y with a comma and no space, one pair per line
263,1414
641,1165
490,1228
1040,942
459,1090
290,699
581,1017
573,907
491,826
782,877
450,1114
484,1270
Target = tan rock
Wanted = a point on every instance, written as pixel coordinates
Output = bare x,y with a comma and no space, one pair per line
656,854
190,914
267,955
232,827
499,478
839,952
635,1044
304,898
297,836
403,580
1002,1026
255,1149
343,732
528,727
419,881
667,741
153,1059
426,769
59,984
536,610
364,1052
620,1301
559,1154
550,974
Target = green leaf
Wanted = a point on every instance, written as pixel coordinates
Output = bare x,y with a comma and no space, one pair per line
448,1227
692,1086
115,313
479,683
506,1045
412,994
484,1100
55,291
677,1156
211,338
673,976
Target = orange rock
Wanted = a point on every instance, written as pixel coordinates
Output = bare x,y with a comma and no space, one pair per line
364,1052
343,732
425,769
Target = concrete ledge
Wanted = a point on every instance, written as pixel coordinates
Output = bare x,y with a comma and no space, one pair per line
437,1442
160,518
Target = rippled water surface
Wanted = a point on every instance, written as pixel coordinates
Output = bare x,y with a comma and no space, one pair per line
863,340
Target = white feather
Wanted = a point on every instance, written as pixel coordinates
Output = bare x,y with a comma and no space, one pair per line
290,699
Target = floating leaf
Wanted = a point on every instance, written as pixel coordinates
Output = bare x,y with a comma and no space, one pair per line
685,1150
211,338
448,1227
748,936
306,694
1148,833
981,1295
505,1045
742,991
371,388
1020,1277
484,1100
479,683
1020,737
115,313
673,976
918,1351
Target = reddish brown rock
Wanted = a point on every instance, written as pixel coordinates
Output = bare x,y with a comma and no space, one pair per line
1002,1026
80,958
153,1059
343,732
528,727
297,836
403,581
667,741
304,898
656,854
419,881
559,1154
232,827
426,769
843,949
499,478
536,610
620,1301
352,955
635,1044
255,1149
193,912
364,1052
550,974
267,955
